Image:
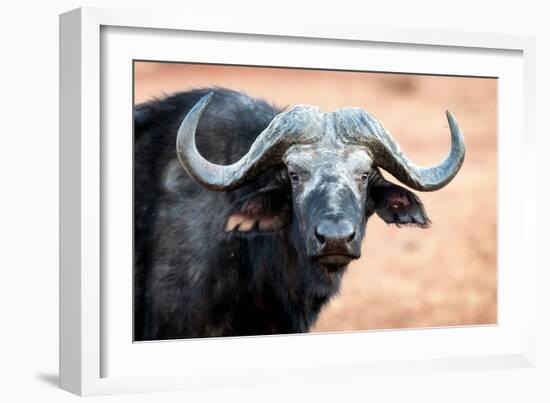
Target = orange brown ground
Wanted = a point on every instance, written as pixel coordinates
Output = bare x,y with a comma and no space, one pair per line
407,277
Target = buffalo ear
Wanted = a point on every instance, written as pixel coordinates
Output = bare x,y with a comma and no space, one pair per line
261,211
397,205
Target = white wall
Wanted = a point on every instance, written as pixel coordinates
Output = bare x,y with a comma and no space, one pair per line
28,166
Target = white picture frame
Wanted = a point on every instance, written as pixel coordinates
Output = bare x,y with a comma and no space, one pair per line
91,346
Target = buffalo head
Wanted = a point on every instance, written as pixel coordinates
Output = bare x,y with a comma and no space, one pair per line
330,169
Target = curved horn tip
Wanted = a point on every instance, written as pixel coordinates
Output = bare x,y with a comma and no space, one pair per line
451,118
204,100
424,178
201,104
454,125
192,118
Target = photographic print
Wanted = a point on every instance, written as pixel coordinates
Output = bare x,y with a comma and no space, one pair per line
272,200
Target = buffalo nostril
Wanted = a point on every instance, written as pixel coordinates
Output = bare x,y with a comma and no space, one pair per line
335,231
319,236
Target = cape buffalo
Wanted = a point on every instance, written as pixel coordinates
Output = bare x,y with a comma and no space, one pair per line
247,215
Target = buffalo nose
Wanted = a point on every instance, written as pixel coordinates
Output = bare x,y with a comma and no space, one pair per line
335,231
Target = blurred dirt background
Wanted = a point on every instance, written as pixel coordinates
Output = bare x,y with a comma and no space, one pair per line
442,276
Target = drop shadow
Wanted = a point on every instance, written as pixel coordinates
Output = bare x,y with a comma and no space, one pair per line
49,379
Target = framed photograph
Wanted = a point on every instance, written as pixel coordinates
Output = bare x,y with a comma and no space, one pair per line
242,204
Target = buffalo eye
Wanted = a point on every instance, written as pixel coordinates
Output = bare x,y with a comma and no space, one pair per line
363,177
294,177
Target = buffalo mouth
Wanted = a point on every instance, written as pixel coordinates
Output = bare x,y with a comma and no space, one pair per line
335,262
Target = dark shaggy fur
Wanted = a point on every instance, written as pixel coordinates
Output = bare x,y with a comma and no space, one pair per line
194,279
